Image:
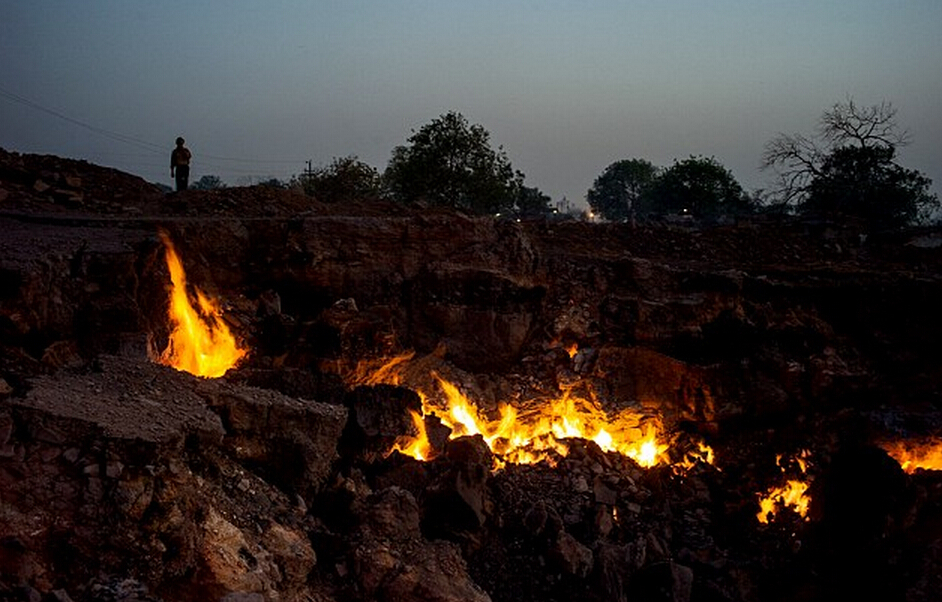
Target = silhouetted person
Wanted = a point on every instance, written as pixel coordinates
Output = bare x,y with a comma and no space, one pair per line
180,165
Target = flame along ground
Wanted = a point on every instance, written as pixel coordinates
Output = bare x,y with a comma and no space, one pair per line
530,436
200,342
793,494
913,456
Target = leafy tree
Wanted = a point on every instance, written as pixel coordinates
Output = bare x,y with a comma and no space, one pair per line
699,187
208,183
531,202
864,181
272,183
620,191
849,168
345,179
449,162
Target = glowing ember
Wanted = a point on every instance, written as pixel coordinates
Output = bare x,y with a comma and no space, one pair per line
386,373
792,495
200,342
914,456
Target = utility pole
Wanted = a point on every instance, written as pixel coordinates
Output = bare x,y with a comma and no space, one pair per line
309,172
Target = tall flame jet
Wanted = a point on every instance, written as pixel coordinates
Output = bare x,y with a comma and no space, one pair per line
200,342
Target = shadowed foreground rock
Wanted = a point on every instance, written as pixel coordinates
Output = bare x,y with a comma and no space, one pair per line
392,561
129,461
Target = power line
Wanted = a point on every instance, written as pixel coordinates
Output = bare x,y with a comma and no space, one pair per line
217,158
100,131
134,141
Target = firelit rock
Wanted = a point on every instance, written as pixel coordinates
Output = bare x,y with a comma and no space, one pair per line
679,391
391,513
430,572
603,493
294,440
456,503
616,564
127,400
232,563
570,556
380,416
472,462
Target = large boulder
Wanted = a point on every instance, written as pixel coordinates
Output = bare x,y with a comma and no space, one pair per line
104,471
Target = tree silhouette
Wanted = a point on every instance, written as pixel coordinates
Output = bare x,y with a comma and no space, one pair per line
863,181
531,202
849,168
449,162
619,192
345,179
208,182
700,187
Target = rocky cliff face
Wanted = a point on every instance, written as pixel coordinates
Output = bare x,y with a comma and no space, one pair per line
122,479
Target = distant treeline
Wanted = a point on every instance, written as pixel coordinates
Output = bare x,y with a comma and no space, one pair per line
847,170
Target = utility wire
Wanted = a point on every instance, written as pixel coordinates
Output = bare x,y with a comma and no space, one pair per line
100,131
119,137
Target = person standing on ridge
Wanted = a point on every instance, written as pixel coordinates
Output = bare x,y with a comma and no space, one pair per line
180,165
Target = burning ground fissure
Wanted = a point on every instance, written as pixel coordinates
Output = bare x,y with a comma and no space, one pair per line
570,494
574,436
439,407
199,341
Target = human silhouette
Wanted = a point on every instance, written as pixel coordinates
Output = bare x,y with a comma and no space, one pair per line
180,165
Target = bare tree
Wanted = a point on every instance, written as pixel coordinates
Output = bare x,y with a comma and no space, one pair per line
848,124
797,159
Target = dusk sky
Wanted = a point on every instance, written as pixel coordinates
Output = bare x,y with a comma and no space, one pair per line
565,87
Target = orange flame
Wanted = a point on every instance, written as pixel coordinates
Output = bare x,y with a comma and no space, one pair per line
915,456
791,495
419,446
387,373
200,342
519,440
523,436
703,455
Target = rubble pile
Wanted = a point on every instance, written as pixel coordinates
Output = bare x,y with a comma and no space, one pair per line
332,464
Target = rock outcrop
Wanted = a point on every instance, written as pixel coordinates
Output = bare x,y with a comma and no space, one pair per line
130,464
124,480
